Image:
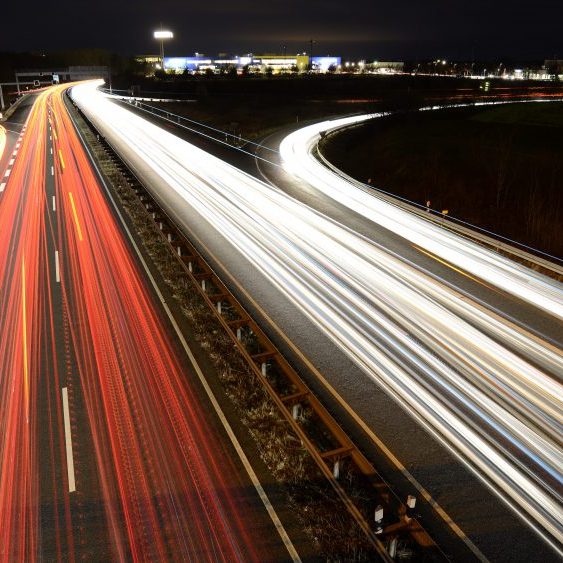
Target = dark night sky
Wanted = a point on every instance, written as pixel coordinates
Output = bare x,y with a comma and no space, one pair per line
384,29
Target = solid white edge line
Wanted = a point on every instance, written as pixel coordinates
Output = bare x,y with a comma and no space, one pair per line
68,442
57,265
234,440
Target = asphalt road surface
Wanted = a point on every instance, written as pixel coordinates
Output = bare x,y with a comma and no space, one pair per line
384,328
109,448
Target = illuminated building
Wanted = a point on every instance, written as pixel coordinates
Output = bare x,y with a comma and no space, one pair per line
267,63
385,67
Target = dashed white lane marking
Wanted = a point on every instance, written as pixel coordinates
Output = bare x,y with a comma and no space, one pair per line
7,172
11,163
2,186
51,150
54,203
68,442
57,266
52,171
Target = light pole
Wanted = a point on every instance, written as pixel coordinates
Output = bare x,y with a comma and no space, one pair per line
161,35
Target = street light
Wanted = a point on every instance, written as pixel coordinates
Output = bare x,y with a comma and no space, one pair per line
162,35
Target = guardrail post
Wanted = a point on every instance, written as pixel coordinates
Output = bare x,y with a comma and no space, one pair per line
336,469
219,307
264,368
393,547
296,411
179,250
378,517
411,503
239,333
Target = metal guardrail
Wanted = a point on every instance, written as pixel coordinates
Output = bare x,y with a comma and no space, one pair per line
286,388
130,98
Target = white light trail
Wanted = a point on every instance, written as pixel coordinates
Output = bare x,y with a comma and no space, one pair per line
296,152
443,357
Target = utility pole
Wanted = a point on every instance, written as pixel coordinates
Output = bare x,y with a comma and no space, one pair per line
311,43
161,35
161,46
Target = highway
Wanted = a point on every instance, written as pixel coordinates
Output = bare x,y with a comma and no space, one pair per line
110,448
433,321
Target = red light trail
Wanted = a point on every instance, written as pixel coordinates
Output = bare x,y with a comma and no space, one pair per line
168,485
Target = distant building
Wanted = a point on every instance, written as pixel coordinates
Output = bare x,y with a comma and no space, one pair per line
385,67
326,64
148,59
276,64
